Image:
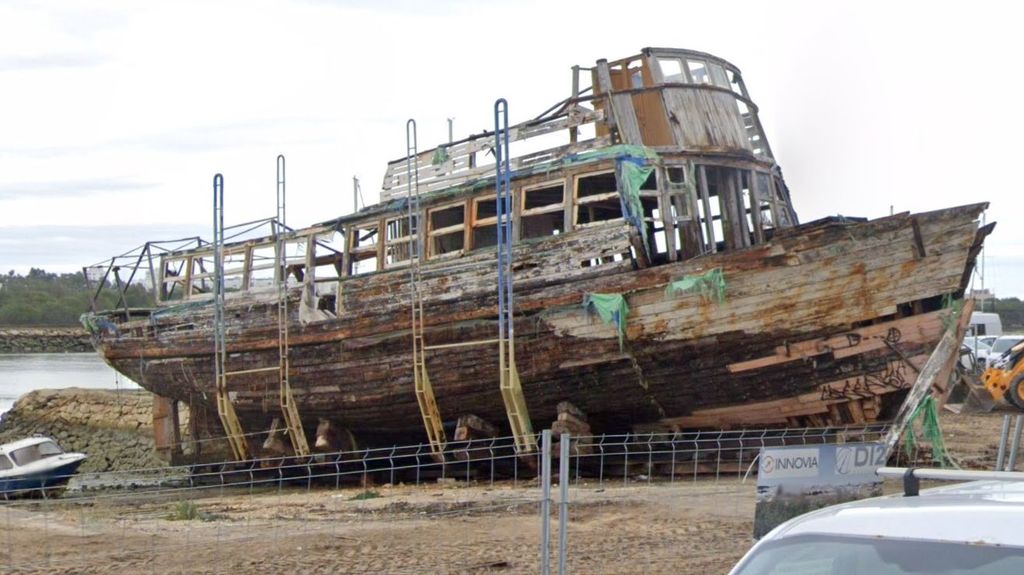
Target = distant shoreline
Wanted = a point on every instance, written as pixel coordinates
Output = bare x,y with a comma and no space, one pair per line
44,340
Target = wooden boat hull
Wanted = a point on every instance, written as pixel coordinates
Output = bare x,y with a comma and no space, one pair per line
820,325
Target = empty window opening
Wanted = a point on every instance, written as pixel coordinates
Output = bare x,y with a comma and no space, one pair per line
601,211
448,243
543,197
671,71
543,225
363,249
597,199
486,208
447,229
736,82
594,262
543,211
485,237
718,76
398,247
327,258
764,192
264,263
635,69
698,71
485,218
654,224
447,217
702,216
596,185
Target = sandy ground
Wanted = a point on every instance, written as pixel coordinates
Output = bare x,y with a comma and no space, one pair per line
681,528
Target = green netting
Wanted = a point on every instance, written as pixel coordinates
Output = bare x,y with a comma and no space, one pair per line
710,285
88,321
931,432
617,151
613,310
440,156
955,306
183,307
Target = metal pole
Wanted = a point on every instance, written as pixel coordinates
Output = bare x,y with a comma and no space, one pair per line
355,193
545,504
1015,445
218,275
1002,442
280,192
563,503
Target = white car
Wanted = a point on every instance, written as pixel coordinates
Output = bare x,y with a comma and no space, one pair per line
1001,345
964,529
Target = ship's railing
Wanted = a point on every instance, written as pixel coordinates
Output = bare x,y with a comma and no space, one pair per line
127,281
470,159
170,271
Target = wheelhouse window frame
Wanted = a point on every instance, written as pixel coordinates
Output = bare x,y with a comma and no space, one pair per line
438,234
538,211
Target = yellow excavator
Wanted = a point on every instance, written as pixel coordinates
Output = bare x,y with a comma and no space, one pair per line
1005,378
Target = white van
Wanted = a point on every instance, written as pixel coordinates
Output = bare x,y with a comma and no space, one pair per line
985,323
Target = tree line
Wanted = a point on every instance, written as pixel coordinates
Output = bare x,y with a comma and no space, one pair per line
41,299
1010,310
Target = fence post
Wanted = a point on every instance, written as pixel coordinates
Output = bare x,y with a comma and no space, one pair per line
563,510
545,504
1003,436
1015,444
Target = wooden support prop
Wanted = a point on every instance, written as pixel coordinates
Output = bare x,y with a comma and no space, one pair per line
947,351
333,438
166,428
274,445
468,428
573,421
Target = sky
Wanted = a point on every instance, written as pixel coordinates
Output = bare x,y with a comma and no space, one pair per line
115,115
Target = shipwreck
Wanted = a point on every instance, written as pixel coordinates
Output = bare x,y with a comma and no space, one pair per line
639,265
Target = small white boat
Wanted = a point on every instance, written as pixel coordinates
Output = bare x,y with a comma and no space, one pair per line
35,466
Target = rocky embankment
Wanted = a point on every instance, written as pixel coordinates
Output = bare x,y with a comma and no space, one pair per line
43,340
114,428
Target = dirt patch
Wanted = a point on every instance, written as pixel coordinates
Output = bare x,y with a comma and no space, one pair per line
695,528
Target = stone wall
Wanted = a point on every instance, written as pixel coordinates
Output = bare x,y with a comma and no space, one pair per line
114,428
44,340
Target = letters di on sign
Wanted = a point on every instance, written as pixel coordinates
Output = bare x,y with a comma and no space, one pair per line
859,459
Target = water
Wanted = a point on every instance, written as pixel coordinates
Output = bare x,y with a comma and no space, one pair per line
21,373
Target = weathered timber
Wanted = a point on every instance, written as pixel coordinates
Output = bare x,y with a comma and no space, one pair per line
828,322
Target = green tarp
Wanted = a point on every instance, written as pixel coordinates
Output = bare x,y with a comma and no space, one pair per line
613,310
710,285
928,412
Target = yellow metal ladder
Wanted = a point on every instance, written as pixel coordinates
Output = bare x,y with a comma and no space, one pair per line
425,398
225,409
288,408
511,389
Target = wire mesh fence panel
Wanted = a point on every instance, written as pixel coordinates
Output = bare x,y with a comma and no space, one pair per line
636,502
